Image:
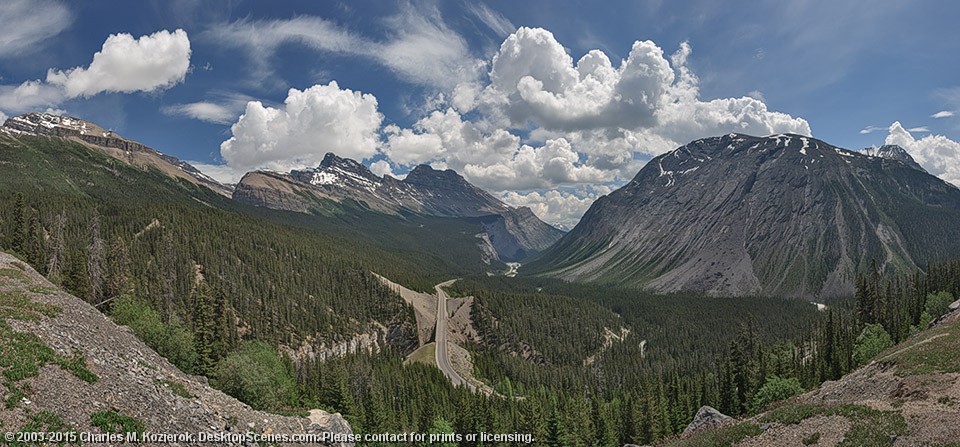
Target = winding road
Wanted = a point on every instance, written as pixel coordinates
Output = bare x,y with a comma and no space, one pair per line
443,353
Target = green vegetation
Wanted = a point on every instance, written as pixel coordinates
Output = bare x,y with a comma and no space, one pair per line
441,427
870,427
934,351
177,388
720,437
172,340
113,422
23,354
775,390
43,422
812,439
871,341
13,274
258,376
426,354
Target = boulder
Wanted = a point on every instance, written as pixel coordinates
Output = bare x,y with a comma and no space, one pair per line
706,417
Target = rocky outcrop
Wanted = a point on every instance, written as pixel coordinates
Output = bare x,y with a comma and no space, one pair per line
784,215
707,416
270,190
129,378
370,342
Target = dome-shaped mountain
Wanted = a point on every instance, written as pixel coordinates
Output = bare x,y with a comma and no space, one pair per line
781,215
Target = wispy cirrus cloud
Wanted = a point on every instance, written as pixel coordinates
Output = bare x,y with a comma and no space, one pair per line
28,23
942,114
220,108
419,48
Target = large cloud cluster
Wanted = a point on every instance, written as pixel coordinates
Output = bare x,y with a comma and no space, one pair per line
937,154
536,122
312,122
586,122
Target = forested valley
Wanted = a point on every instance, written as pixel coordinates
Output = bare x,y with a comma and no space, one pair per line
216,287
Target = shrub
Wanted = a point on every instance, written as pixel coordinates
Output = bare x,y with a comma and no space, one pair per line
258,376
775,389
938,304
871,341
172,341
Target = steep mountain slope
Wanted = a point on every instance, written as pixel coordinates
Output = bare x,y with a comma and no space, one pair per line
514,233
781,215
64,362
94,136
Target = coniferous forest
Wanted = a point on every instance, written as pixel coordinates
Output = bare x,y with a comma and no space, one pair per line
213,285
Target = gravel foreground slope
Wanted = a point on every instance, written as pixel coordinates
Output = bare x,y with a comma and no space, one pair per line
908,396
64,362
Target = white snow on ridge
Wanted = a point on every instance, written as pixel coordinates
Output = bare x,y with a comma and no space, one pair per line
806,143
324,178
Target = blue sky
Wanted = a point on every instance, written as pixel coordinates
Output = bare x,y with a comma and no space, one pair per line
496,90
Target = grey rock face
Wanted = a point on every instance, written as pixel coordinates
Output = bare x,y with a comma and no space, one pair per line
706,416
784,215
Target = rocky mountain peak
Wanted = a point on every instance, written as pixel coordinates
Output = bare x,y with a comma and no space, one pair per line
37,123
738,214
894,152
426,175
130,151
331,160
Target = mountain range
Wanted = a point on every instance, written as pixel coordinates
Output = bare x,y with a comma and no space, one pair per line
504,233
784,215
512,233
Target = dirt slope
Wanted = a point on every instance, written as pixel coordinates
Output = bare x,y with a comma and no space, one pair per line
908,396
64,361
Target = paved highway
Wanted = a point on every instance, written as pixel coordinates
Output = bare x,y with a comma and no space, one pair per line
443,353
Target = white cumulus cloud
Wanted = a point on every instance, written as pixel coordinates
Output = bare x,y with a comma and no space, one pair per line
124,64
561,208
597,120
937,154
383,168
29,95
312,122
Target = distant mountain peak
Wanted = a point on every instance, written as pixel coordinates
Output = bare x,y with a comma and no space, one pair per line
894,152
333,160
425,173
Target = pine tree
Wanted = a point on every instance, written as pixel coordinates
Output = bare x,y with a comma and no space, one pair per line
118,269
17,230
95,257
56,249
